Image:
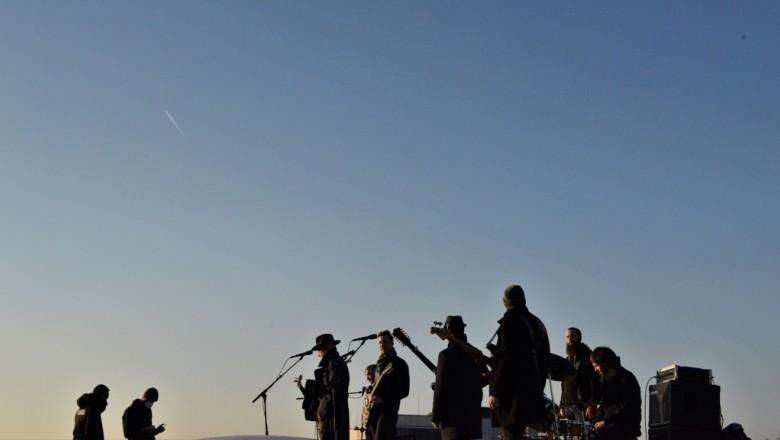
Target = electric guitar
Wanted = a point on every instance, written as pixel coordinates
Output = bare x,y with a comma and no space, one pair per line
404,339
369,412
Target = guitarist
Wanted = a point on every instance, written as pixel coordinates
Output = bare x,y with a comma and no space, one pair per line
332,386
370,373
391,385
457,393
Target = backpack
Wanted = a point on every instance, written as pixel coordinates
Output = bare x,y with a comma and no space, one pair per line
734,431
124,422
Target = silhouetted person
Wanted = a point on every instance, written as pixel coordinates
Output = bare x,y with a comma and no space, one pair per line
619,415
392,385
457,392
88,423
333,387
137,418
522,361
370,373
576,393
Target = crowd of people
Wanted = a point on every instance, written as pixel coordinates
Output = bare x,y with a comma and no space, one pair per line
600,391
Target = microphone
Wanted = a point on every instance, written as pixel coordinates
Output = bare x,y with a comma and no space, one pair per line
365,338
305,353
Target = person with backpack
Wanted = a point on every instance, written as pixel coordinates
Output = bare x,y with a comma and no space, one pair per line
137,418
88,421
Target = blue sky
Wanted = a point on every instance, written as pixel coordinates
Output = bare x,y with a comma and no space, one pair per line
347,167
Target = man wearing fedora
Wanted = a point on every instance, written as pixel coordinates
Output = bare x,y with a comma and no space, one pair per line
457,392
332,376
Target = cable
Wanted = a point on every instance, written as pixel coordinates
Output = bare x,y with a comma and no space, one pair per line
647,406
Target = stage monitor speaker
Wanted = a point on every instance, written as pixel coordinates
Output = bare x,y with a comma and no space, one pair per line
691,405
682,433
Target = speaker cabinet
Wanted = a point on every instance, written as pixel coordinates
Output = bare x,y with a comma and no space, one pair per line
685,404
669,432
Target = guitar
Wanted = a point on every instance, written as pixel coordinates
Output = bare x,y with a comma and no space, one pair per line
471,350
404,339
368,413
366,403
310,399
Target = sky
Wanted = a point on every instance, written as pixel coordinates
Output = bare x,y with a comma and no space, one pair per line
191,192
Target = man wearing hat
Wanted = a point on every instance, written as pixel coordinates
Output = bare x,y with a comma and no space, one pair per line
522,359
332,376
457,392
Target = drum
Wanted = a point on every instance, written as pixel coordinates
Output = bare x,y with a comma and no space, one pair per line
588,431
569,428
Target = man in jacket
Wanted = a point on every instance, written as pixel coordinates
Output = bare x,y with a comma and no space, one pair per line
88,421
457,392
137,418
391,385
576,393
333,386
522,361
619,415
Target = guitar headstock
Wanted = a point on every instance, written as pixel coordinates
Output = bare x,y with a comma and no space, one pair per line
441,332
402,337
298,379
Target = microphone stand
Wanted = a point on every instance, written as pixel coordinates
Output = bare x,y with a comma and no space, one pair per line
555,413
351,353
264,393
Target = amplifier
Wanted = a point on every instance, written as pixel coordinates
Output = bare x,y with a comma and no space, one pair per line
691,405
686,374
682,433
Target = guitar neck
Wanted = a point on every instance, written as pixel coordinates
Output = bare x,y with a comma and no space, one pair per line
424,359
401,335
469,349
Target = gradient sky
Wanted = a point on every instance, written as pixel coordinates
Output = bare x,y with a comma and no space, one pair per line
192,191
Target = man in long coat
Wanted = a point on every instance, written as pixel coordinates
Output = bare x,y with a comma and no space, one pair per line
333,385
457,392
521,364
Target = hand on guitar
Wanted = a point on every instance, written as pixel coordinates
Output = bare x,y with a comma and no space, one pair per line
297,381
493,403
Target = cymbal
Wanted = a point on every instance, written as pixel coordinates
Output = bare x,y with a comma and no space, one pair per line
561,369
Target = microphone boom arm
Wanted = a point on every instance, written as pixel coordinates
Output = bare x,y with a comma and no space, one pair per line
264,393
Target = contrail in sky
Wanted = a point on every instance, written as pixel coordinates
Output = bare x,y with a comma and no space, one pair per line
176,125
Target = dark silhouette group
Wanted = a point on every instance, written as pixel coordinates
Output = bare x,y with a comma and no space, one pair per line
598,392
136,419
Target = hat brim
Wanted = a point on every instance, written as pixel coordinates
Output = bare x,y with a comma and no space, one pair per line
320,346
